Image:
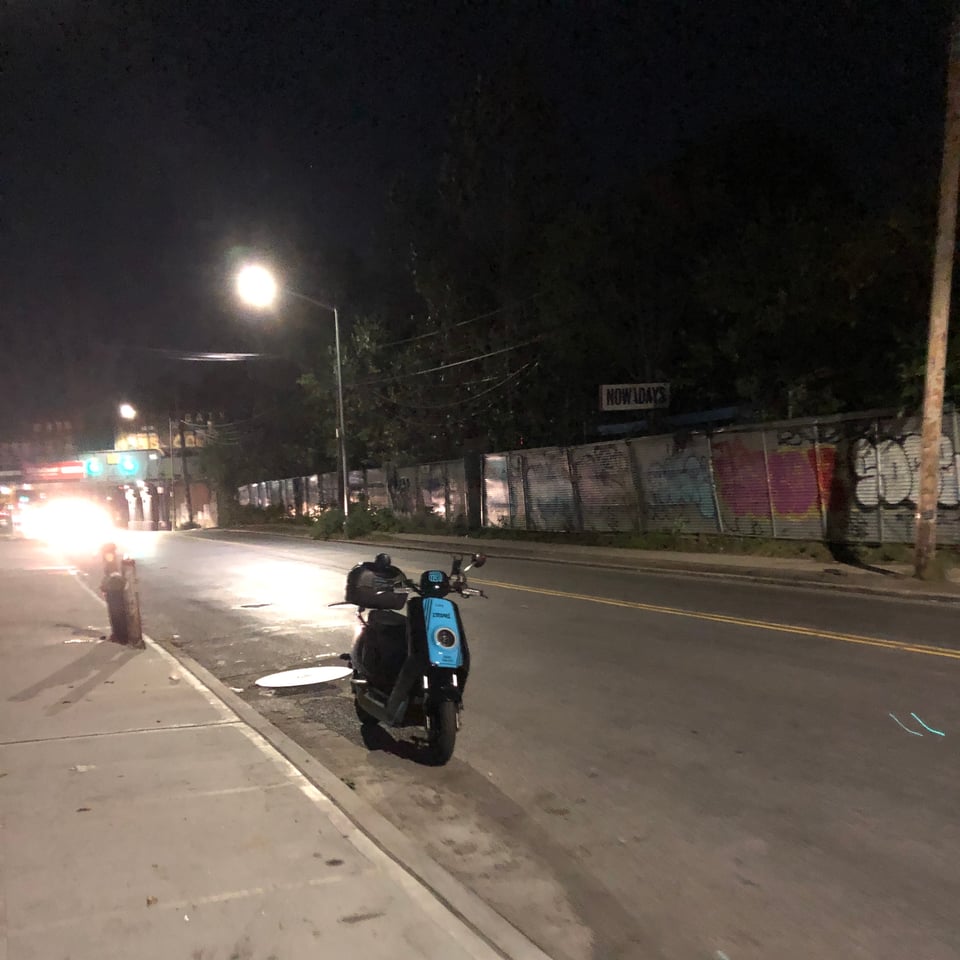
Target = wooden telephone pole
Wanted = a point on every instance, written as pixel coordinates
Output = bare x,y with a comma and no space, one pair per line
926,533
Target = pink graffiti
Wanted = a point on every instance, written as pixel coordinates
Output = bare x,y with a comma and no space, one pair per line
741,477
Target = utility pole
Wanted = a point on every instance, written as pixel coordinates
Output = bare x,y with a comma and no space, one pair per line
186,476
926,532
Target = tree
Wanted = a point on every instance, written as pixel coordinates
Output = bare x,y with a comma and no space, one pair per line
476,243
886,267
766,215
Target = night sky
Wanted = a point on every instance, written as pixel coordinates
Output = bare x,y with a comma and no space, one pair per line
143,142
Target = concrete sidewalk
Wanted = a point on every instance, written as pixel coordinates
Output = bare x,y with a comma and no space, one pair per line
141,817
892,578
888,579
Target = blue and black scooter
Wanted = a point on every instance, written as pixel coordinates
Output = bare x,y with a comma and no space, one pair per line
411,670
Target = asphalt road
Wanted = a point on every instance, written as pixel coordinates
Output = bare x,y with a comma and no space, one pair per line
688,769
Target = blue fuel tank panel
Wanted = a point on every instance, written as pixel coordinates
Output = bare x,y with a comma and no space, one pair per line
443,633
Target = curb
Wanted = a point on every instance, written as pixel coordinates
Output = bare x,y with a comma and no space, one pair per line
799,580
463,903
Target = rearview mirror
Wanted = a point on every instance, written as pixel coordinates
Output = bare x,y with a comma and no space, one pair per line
479,560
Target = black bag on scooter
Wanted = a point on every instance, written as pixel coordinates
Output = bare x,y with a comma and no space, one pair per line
376,585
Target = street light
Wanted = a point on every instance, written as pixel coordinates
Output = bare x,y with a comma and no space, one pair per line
257,287
128,412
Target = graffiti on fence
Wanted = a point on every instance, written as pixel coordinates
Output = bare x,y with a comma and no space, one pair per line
606,464
496,492
799,479
681,479
402,488
808,434
605,487
399,484
855,480
433,488
741,479
549,492
888,471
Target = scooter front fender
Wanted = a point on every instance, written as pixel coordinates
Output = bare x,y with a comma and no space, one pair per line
442,685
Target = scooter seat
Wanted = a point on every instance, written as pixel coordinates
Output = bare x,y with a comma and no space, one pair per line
387,619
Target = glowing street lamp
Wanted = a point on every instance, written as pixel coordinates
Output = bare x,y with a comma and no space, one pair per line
127,411
257,287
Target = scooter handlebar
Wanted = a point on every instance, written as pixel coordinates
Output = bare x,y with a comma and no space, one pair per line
462,589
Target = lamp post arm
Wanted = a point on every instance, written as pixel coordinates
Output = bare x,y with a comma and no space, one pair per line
302,296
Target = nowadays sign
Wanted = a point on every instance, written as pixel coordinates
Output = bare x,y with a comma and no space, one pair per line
634,396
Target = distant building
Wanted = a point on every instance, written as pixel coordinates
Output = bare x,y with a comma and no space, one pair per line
41,442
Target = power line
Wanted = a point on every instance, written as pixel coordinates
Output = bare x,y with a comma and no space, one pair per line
463,323
545,335
473,413
469,398
458,386
443,366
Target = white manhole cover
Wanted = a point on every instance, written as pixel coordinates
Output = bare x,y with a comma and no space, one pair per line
305,676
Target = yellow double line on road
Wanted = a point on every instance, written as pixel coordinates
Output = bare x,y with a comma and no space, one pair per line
734,621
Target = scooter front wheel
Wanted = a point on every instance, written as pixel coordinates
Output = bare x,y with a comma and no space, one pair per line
443,732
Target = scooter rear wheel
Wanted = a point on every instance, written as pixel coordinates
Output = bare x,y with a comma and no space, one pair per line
443,732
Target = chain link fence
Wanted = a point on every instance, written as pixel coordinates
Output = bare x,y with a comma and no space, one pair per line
840,479
436,488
